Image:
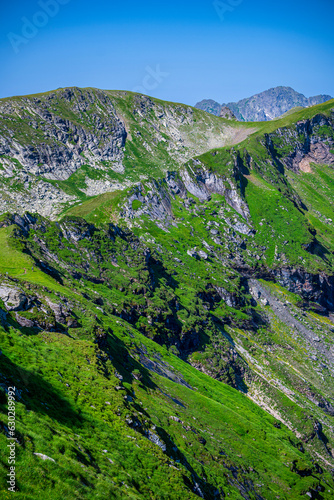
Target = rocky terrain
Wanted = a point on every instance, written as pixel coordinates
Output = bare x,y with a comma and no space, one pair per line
225,112
70,144
264,106
169,325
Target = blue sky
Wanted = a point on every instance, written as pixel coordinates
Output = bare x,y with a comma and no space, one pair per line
178,51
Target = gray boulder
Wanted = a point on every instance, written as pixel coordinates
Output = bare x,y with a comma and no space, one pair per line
14,298
24,321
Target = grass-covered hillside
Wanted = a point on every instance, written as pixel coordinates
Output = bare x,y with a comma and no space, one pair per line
114,347
169,330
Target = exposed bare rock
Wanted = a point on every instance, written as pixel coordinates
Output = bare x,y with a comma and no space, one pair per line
22,321
202,183
226,113
267,105
83,137
14,298
44,457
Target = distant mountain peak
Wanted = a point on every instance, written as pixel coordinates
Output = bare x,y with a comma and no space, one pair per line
264,106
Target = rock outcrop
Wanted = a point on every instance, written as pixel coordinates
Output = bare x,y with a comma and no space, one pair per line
13,298
226,113
85,142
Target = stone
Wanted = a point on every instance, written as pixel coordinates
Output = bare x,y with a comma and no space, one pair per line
44,457
154,438
22,321
13,298
226,113
176,419
192,253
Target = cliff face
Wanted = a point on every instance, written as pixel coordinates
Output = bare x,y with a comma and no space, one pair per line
56,146
67,145
310,141
265,106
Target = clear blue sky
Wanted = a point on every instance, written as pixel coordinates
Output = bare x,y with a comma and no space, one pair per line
198,50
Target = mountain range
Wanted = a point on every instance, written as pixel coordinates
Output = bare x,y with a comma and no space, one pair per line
166,299
264,106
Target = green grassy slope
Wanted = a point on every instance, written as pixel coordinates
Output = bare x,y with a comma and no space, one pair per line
73,408
69,410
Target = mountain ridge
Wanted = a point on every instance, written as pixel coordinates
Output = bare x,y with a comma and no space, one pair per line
169,328
86,131
265,105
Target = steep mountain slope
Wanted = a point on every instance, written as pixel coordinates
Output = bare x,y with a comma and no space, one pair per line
264,106
174,338
118,414
63,146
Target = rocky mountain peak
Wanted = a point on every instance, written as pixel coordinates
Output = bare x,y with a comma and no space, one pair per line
266,105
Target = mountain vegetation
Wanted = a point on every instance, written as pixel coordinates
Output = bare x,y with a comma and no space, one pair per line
166,299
